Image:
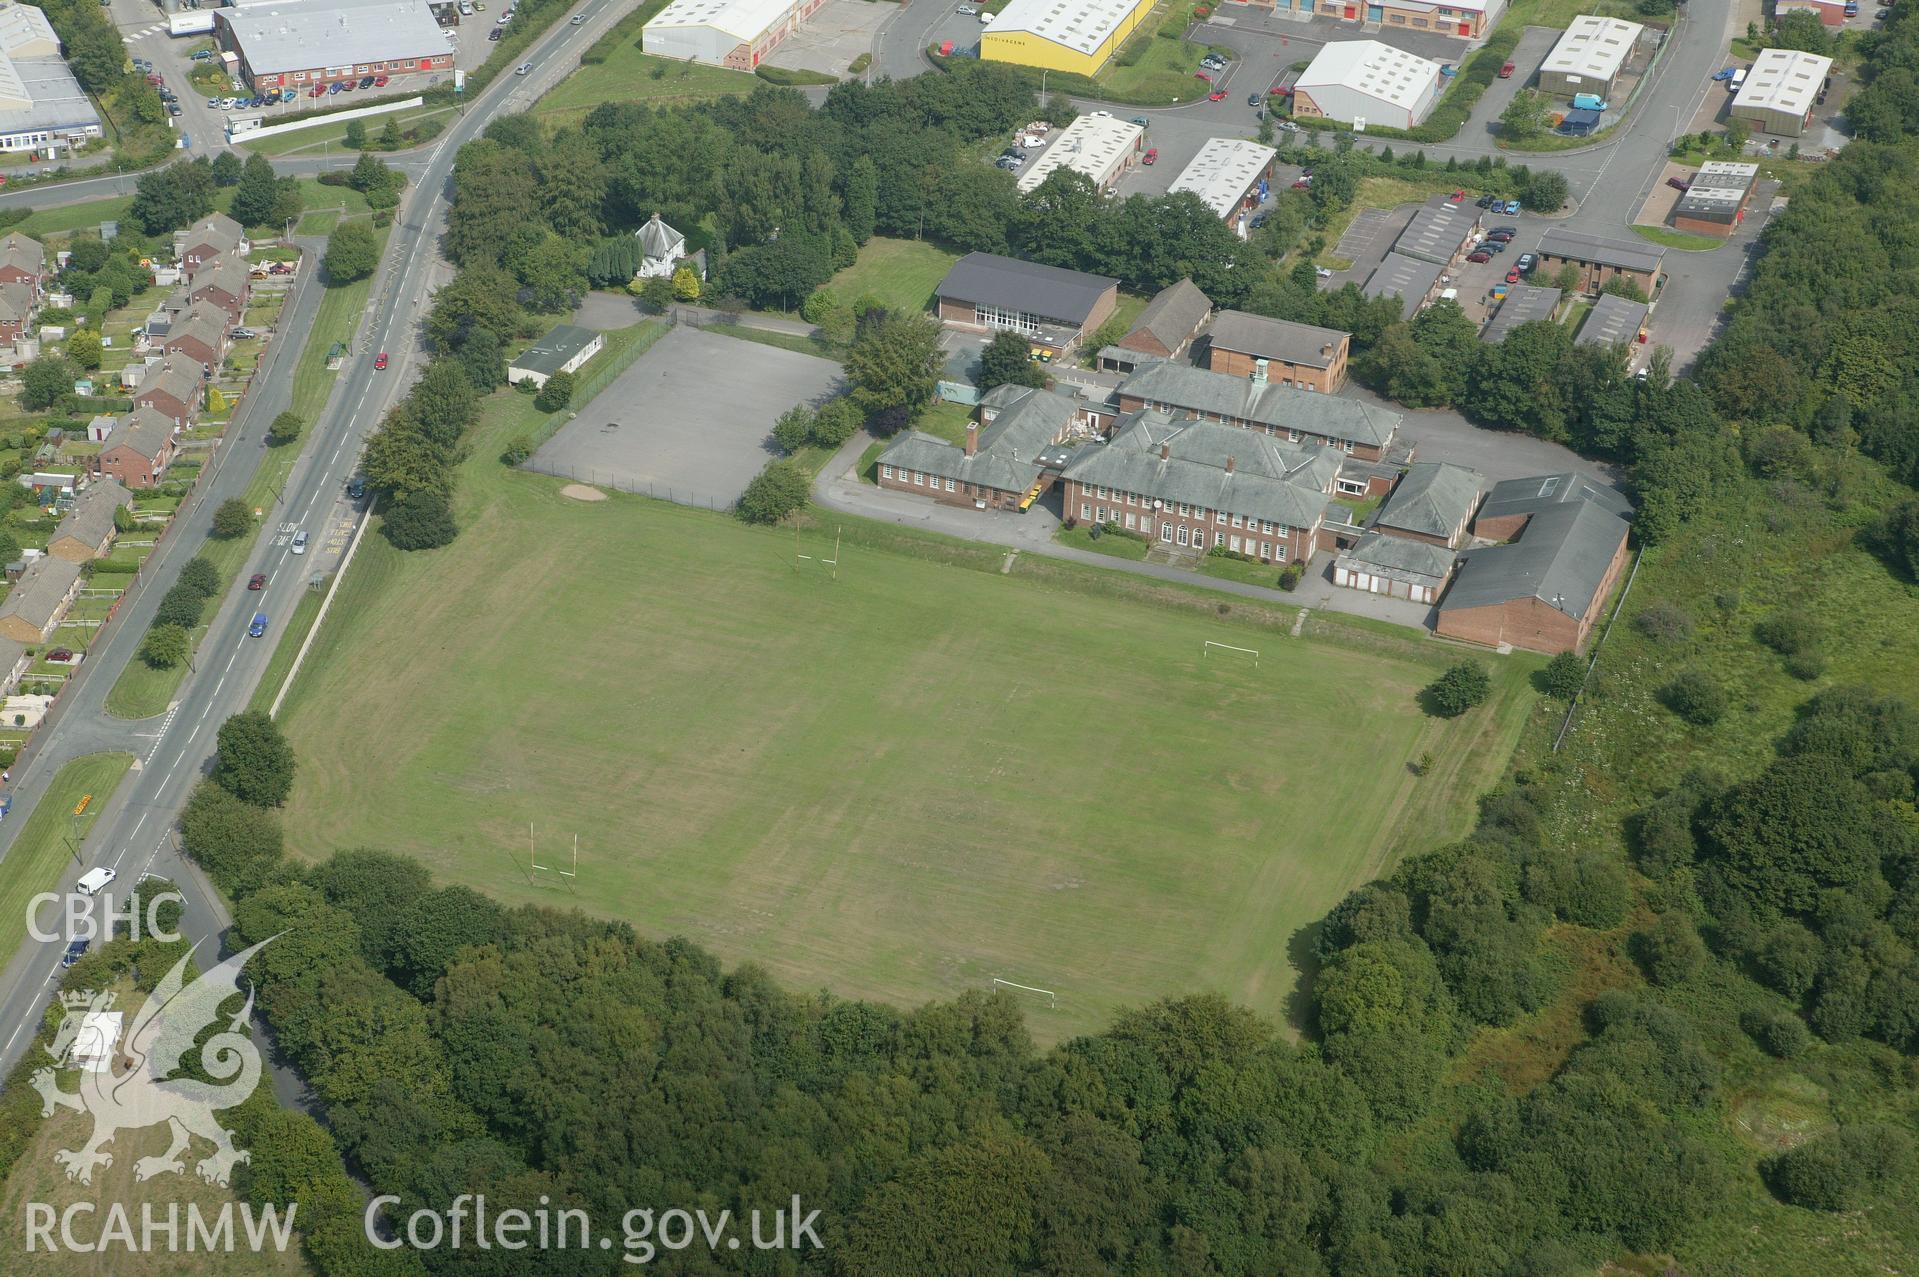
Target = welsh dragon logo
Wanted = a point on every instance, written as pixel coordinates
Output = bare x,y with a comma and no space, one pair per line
137,1087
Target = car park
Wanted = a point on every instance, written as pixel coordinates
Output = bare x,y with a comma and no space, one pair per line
1151,156
258,581
366,81
1480,255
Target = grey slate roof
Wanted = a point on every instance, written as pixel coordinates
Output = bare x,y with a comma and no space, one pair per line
16,302
1214,394
1433,499
1050,292
1195,473
657,239
36,597
1524,304
1612,321
1559,242
206,322
1396,558
177,376
1174,314
1543,492
1263,338
218,230
550,353
23,252
143,431
1407,278
1029,422
1436,232
90,521
1560,559
228,273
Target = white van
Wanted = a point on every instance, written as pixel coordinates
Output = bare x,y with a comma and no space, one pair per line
1737,82
93,880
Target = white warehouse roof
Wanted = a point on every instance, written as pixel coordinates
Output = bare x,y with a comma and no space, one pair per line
1092,144
1080,25
744,20
26,33
1374,69
1784,80
1592,47
291,35
1223,171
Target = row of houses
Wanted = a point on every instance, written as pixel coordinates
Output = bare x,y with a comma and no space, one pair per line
45,585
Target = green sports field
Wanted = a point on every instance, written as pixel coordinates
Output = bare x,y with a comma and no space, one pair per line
899,784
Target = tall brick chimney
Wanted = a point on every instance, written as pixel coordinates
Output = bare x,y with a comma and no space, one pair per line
1230,463
1166,452
972,438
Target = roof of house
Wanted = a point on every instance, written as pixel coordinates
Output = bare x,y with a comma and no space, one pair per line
1578,247
1080,25
1205,393
1225,169
1544,491
227,272
36,597
296,35
1407,278
1376,70
1560,559
1051,292
1719,189
1174,314
1524,304
1092,144
658,240
205,323
1437,232
143,431
179,378
1783,80
1434,498
23,252
16,302
550,353
90,521
1184,463
1592,47
1007,458
1612,321
1301,345
1399,559
1214,443
216,229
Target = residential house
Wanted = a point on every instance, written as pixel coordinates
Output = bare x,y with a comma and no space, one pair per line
1298,355
213,236
18,306
1257,403
1396,567
173,388
87,530
199,335
225,283
1048,305
1168,324
1202,485
1545,589
38,599
1433,503
1010,454
139,449
23,260
663,249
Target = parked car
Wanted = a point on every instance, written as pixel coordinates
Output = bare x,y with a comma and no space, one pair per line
1679,183
968,10
1217,95
1503,232
1487,201
203,55
1493,246
243,332
1287,126
1323,272
1259,220
60,654
1506,72
258,628
379,361
366,81
1512,276
1151,156
1724,75
1201,75
1279,91
173,109
334,88
258,581
356,487
317,91
1252,99
1526,263
76,950
1448,71
1510,208
494,34
287,95
380,81
1303,184
1482,256
578,19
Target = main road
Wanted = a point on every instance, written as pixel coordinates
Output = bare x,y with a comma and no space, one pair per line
135,833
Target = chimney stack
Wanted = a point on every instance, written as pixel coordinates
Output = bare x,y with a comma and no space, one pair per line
1230,463
1259,372
1327,350
1166,452
972,438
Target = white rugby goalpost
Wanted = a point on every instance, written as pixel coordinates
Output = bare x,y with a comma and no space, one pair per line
1210,646
1052,999
535,868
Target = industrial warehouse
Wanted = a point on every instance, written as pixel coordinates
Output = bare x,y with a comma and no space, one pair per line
725,33
1365,82
1230,176
291,43
1080,36
41,105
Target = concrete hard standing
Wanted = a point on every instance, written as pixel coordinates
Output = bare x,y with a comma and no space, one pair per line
690,421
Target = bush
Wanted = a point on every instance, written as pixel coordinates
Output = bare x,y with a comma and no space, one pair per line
200,575
420,520
164,646
1459,689
1779,1034
351,253
1787,633
516,452
775,493
1664,623
1836,1170
1563,676
232,519
556,394
1695,698
1671,952
1805,666
1291,575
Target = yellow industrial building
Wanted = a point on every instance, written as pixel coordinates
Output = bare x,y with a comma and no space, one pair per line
1079,36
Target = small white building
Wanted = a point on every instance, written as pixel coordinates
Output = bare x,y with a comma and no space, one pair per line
1363,82
1098,144
1230,175
726,33
1781,90
564,349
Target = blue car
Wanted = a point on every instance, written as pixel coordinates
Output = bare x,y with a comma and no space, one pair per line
1511,207
259,627
76,950
334,88
1726,74
287,95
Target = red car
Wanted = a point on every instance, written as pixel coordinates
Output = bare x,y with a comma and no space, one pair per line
1302,185
379,360
1279,92
258,581
1201,75
317,91
60,654
379,81
1458,196
1481,256
1217,95
1151,156
1512,276
1506,72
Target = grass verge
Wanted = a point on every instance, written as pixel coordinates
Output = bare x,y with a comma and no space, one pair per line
53,836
